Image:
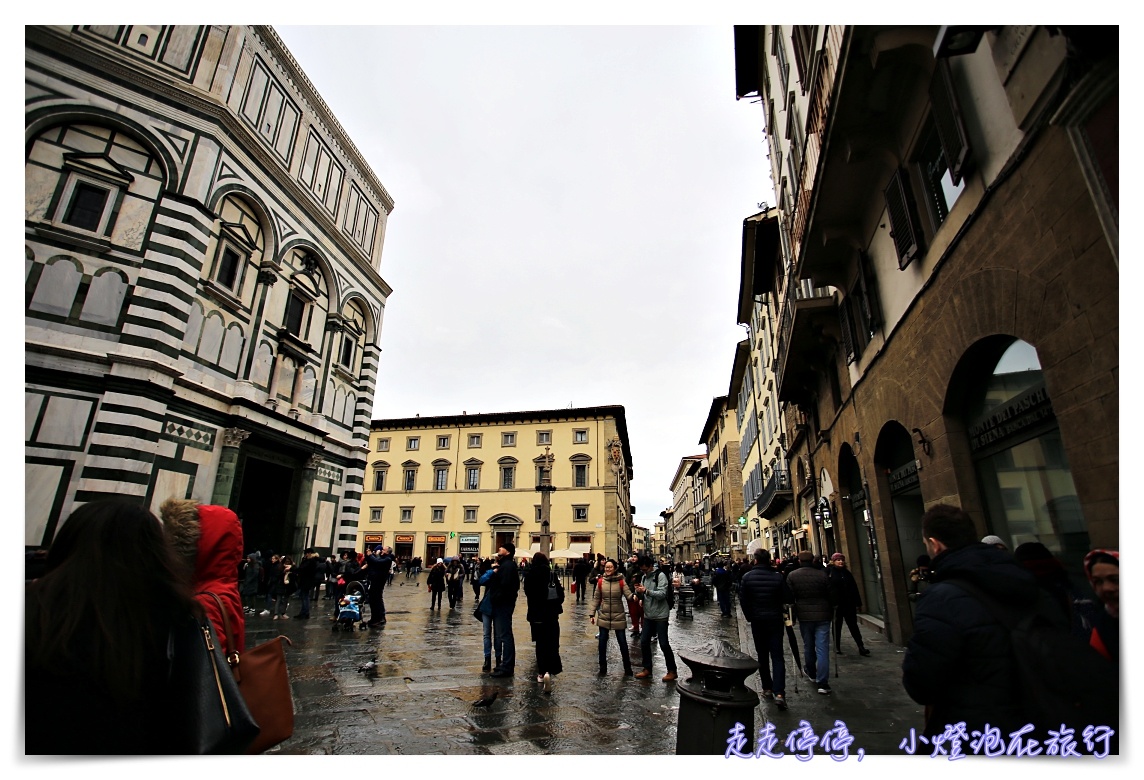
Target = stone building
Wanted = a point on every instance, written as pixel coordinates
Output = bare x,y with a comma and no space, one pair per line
724,478
203,298
464,484
944,282
688,494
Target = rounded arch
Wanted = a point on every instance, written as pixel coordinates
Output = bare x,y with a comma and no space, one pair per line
901,506
254,202
322,265
356,299
39,121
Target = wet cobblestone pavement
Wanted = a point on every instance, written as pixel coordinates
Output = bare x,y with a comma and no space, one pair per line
418,700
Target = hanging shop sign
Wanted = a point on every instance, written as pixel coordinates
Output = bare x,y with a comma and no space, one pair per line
436,539
404,538
904,478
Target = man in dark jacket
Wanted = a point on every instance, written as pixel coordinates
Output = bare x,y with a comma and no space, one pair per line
503,589
307,574
812,598
377,566
959,661
848,600
580,575
762,593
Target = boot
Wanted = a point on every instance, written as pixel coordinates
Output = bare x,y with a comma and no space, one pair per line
628,671
603,671
488,667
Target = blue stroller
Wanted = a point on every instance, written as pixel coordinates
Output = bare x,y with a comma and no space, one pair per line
349,608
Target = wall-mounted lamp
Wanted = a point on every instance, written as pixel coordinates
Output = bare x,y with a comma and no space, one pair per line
922,440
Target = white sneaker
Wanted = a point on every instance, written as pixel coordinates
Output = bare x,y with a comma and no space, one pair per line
264,612
547,682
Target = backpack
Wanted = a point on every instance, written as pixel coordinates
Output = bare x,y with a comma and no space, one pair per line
670,588
1061,679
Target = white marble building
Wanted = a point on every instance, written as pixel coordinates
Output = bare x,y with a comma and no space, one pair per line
202,287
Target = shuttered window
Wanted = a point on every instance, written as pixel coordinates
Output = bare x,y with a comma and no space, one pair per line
947,117
904,228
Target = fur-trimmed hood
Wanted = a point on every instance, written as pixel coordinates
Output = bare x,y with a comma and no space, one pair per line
207,541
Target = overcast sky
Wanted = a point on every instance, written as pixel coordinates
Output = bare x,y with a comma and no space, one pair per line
569,207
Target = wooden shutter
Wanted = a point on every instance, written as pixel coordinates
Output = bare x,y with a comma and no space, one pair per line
868,309
846,320
903,224
947,118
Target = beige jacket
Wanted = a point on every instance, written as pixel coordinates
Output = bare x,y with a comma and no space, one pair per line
610,605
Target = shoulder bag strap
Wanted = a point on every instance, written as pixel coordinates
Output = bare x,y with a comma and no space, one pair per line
232,657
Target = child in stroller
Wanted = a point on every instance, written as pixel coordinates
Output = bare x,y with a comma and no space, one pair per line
349,608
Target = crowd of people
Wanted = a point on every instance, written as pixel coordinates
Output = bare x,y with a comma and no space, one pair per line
143,574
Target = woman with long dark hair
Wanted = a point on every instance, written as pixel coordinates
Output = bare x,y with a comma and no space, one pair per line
96,627
544,618
609,602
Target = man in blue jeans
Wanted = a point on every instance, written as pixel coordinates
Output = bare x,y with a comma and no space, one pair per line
811,588
653,590
504,586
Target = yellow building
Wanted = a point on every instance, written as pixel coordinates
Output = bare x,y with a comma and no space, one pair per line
464,484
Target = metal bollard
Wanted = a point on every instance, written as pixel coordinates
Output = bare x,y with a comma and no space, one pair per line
714,698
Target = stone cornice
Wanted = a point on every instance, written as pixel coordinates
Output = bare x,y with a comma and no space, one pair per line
196,102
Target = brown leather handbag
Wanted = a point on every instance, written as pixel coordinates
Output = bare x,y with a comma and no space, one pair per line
263,680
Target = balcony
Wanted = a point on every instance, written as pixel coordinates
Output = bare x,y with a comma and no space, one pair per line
808,330
776,496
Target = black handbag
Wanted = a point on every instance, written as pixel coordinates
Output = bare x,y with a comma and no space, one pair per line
211,715
556,593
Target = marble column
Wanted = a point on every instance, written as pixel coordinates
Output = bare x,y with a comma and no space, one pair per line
232,439
305,493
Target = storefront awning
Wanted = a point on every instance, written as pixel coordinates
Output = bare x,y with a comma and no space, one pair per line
573,551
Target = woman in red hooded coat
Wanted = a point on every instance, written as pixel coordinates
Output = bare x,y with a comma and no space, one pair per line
208,542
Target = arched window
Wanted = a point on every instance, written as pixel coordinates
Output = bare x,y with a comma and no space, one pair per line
1022,472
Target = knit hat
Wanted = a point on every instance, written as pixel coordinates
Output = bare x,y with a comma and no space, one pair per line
991,539
838,557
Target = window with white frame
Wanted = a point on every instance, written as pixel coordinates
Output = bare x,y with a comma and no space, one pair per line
438,514
543,438
474,440
508,439
442,442
407,514
86,205
580,513
375,514
470,514
383,445
580,436
413,442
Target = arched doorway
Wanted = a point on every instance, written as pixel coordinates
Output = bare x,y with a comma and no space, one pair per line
506,528
898,477
1022,474
860,528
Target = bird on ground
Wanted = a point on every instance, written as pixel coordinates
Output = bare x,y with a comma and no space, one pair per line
369,667
486,702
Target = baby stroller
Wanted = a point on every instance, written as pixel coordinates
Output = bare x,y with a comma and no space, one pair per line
349,608
702,594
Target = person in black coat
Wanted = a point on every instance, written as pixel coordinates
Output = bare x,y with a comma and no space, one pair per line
307,576
580,575
847,602
544,618
378,565
504,587
959,661
762,594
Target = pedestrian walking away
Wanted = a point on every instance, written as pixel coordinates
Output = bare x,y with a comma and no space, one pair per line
653,588
544,596
847,602
485,609
812,598
609,614
762,594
